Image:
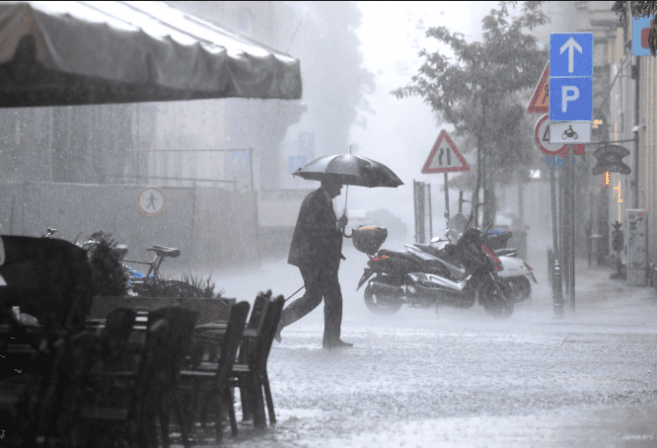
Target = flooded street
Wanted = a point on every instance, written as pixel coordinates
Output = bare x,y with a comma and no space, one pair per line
162,163
462,378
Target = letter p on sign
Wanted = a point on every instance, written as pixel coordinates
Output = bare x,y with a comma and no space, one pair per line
565,97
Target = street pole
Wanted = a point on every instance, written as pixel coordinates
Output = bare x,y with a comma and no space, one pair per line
557,297
572,229
565,227
430,213
446,196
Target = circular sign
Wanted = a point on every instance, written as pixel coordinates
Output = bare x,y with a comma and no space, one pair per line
542,137
150,201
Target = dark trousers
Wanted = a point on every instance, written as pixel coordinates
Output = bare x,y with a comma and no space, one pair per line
320,283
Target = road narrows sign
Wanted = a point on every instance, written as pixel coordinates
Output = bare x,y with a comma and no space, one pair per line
540,102
444,157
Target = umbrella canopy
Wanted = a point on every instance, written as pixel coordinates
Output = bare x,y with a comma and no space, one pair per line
65,53
348,169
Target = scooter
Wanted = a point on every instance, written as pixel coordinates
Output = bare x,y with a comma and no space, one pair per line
421,280
515,271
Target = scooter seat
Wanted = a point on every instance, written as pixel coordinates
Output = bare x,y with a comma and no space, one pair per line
394,253
509,252
429,249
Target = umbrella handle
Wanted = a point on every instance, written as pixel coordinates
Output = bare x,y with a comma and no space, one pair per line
345,233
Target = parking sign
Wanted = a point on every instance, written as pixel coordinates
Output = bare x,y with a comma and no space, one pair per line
571,99
571,77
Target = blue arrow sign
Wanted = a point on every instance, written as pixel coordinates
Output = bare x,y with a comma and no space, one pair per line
571,77
571,54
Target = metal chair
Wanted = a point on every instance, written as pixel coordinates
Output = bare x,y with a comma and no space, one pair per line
251,377
211,379
129,399
169,358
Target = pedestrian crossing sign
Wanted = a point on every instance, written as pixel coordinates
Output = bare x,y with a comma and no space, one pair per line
444,157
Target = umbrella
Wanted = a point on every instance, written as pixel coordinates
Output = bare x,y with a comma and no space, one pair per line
348,169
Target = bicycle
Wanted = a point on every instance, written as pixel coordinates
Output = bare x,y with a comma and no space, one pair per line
150,284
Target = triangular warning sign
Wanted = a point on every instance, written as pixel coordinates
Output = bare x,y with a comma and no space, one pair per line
540,103
444,157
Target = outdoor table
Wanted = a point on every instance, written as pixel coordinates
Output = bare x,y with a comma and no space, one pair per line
219,329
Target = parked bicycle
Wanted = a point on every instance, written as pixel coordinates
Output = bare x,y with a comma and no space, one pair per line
150,284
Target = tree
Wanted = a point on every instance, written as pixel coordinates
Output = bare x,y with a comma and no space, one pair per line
478,92
640,9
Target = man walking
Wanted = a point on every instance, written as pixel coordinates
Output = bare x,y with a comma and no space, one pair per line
316,250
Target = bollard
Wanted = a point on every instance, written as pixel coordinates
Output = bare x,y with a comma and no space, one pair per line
557,296
550,268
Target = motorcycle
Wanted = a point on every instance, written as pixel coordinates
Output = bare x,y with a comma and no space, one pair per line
422,280
516,272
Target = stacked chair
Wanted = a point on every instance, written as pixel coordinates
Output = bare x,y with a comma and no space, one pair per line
242,349
73,382
250,373
210,380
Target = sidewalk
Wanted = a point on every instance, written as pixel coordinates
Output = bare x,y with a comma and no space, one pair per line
602,301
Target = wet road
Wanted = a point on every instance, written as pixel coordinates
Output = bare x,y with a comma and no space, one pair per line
461,378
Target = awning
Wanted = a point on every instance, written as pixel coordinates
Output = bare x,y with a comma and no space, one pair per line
64,53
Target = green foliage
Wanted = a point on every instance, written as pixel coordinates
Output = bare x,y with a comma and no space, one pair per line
109,276
207,286
478,91
640,9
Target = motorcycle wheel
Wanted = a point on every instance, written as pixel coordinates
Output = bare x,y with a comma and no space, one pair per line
376,306
521,288
498,305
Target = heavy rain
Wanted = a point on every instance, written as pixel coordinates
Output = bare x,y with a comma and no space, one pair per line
328,224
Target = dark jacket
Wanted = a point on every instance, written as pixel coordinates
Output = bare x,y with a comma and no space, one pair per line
317,242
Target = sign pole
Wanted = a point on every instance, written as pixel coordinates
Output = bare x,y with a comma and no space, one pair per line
446,196
572,229
557,297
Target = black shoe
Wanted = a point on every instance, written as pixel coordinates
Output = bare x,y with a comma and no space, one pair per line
338,343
